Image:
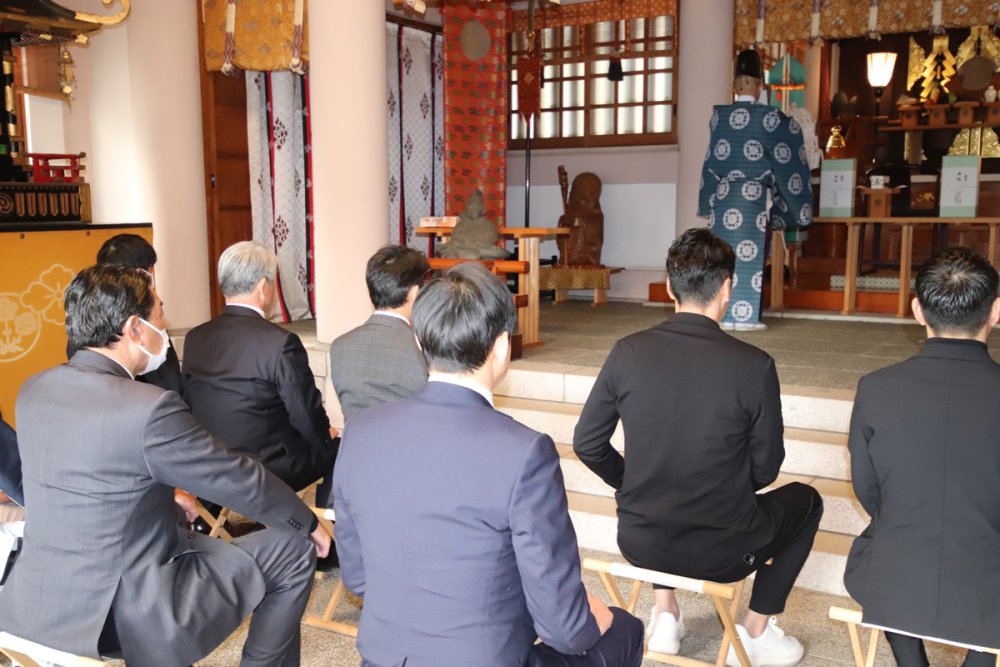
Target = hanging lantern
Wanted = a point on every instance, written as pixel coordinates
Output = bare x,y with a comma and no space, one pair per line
615,71
67,77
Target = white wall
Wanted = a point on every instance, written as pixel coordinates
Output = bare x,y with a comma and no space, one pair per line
638,198
45,126
137,114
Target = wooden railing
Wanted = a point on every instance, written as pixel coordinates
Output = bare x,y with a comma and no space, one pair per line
852,255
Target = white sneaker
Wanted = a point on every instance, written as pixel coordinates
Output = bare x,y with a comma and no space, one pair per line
664,633
727,326
771,649
751,326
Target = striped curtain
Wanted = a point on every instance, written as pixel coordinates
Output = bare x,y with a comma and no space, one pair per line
281,182
416,130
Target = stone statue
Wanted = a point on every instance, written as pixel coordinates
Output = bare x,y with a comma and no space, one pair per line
475,236
582,214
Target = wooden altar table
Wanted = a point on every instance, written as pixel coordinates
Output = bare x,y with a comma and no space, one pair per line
528,250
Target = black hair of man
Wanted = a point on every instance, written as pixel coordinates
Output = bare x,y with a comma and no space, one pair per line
99,300
127,250
459,315
698,263
956,289
391,272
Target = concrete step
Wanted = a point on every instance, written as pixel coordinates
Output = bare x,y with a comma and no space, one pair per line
842,511
815,453
802,407
596,528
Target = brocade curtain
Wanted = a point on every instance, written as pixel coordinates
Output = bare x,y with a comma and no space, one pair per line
416,130
767,21
475,122
281,182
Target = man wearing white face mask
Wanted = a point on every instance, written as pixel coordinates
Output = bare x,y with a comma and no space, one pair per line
104,562
132,250
248,381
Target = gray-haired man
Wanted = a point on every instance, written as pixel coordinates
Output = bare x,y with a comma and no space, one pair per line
248,381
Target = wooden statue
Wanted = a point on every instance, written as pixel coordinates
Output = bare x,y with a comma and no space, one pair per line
582,214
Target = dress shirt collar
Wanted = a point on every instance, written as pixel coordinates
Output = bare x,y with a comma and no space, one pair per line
460,381
389,313
246,305
746,98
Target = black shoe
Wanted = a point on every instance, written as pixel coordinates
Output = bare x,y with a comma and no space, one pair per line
199,525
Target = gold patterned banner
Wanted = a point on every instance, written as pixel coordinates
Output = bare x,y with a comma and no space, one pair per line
265,37
594,12
792,20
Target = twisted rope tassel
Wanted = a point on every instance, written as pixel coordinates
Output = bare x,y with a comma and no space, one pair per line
227,57
761,11
937,24
873,32
296,64
814,37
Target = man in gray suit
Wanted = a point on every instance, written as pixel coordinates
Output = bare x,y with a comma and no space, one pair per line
451,516
925,464
379,361
105,561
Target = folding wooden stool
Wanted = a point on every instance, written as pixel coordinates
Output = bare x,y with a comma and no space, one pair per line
216,524
328,518
719,594
866,657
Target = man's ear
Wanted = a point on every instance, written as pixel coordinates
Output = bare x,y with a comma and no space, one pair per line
130,329
411,294
918,312
501,347
670,291
260,288
995,313
726,290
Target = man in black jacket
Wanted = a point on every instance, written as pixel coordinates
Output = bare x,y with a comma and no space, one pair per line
134,251
248,381
702,417
925,463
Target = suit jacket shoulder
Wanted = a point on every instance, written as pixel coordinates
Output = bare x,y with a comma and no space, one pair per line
376,362
452,522
925,465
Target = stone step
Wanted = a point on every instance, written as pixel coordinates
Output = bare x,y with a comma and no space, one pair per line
802,407
842,511
815,453
596,528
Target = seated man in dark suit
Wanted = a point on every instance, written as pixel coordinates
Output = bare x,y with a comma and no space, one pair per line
702,417
451,516
379,361
104,561
248,381
11,498
925,464
134,251
11,494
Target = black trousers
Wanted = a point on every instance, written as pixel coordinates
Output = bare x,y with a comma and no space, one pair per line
620,646
910,652
796,509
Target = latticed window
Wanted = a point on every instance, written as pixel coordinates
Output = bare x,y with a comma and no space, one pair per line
580,106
